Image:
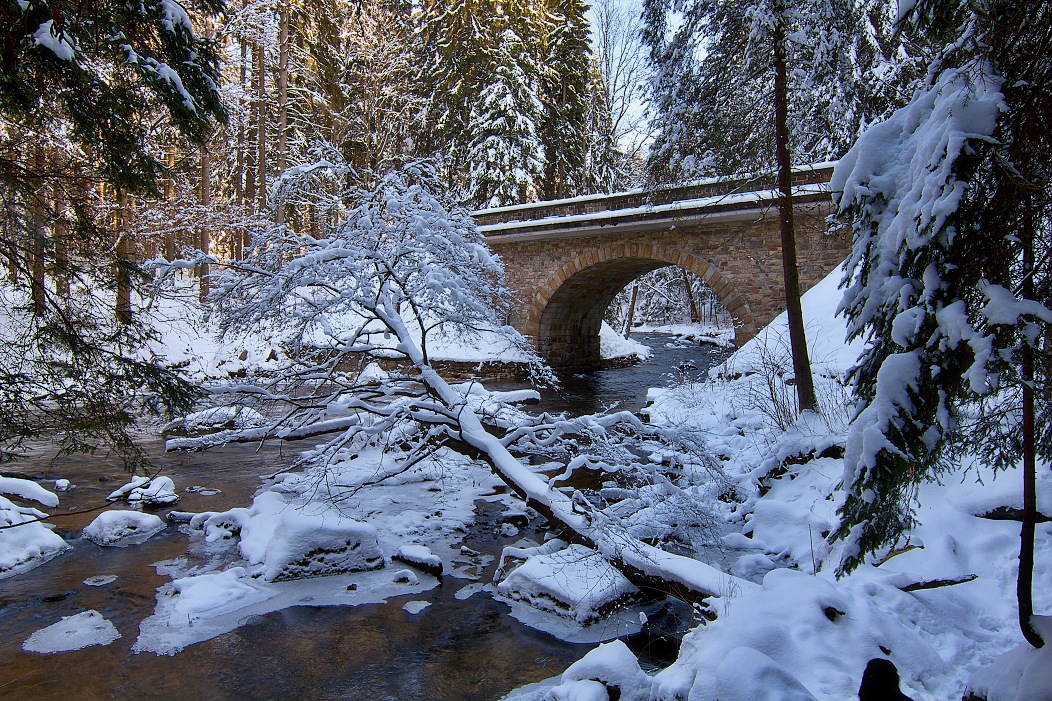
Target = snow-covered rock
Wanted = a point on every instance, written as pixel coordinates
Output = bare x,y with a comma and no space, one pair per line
121,528
159,492
147,491
614,345
214,419
575,582
31,543
610,666
305,545
63,485
420,556
85,629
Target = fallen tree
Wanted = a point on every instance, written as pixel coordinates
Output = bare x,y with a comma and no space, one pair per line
404,267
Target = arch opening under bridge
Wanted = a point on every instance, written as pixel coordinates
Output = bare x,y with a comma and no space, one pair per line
565,321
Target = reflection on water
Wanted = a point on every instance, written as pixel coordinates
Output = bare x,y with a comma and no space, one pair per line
454,649
627,387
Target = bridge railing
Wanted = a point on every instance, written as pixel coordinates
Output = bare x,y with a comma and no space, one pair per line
589,204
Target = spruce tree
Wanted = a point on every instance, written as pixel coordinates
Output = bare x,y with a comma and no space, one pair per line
950,200
564,78
504,157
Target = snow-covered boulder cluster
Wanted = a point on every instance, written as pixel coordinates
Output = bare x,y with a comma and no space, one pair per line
282,541
32,542
214,419
147,491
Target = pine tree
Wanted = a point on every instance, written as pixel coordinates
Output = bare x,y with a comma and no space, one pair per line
564,78
950,200
504,158
456,44
738,97
712,92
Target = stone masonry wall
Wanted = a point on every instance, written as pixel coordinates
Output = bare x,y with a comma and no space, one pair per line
560,282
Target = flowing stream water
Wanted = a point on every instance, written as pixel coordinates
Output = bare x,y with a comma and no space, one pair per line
456,649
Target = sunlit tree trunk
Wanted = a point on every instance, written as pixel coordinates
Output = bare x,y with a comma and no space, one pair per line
1025,580
261,125
204,235
39,238
805,388
169,195
239,167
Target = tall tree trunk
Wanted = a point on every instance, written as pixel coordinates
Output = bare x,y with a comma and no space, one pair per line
169,196
694,316
204,235
1025,579
239,167
37,292
61,246
805,386
251,150
631,310
124,251
261,126
283,97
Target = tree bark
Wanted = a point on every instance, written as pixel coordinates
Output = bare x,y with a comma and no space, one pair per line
239,158
283,97
805,387
1025,580
37,291
204,235
169,196
631,310
694,316
261,126
124,248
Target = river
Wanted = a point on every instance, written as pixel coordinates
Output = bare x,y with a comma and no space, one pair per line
457,649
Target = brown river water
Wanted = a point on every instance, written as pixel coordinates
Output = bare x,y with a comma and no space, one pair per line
455,649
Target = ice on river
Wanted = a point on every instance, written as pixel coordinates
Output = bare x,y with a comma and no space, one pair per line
82,630
415,607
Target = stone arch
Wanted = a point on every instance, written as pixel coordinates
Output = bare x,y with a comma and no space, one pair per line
565,314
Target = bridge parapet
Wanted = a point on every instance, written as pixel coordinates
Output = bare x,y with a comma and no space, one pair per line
632,199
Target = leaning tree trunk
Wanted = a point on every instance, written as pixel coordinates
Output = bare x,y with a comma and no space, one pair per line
805,386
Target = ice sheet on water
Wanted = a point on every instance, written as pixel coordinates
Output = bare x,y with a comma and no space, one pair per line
415,607
82,630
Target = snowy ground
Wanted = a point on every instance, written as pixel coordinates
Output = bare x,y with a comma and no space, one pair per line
702,333
804,634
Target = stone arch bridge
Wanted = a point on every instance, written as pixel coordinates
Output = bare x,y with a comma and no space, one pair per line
567,259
